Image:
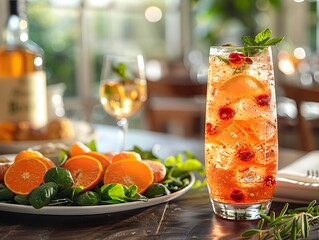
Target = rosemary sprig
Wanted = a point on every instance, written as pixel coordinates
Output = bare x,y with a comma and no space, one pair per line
295,223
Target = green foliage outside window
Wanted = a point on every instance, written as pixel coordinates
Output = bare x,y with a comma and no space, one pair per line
57,34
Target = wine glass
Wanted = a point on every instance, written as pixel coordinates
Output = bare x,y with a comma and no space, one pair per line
122,89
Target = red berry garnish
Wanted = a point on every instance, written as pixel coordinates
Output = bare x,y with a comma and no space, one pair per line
262,100
226,113
248,60
245,153
227,45
237,195
211,129
270,180
236,58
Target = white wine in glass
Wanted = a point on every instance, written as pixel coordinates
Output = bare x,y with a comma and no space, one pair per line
122,89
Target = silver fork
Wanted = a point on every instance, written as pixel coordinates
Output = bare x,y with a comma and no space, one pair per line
313,173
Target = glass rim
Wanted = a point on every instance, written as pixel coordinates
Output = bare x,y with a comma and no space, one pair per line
235,46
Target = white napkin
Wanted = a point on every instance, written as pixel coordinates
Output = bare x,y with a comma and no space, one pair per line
293,185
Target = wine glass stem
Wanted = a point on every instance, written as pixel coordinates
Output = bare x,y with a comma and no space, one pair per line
123,124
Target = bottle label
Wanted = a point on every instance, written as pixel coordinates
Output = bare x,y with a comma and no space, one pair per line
24,99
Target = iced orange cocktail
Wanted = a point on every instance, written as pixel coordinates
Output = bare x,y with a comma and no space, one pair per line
241,147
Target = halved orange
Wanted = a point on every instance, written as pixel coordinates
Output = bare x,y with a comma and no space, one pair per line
85,170
28,153
102,158
47,162
125,156
78,148
110,155
129,172
24,175
158,169
242,84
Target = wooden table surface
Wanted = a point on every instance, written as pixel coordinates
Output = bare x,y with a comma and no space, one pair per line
187,217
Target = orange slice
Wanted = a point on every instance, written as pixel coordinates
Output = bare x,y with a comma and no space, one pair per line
102,158
24,175
85,170
47,162
78,148
129,172
27,154
125,156
158,169
110,155
241,84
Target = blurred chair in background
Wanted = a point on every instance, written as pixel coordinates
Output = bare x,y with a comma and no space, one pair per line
305,125
176,104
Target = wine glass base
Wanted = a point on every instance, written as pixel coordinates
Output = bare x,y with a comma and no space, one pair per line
249,211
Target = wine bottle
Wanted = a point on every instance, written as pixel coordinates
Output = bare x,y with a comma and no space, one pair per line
22,78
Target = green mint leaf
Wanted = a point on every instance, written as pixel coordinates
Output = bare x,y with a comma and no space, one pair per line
263,35
262,39
263,42
274,41
223,59
249,41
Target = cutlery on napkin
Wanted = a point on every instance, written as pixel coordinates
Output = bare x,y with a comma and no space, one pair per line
297,178
294,185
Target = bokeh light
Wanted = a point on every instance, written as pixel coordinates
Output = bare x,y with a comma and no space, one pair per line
153,14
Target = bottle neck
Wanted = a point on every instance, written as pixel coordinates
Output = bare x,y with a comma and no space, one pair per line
17,24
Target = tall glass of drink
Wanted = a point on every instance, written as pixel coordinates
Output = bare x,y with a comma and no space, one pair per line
241,148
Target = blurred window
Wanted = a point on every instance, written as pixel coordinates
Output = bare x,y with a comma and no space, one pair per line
75,34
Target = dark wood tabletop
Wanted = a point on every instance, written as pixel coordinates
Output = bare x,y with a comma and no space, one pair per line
189,216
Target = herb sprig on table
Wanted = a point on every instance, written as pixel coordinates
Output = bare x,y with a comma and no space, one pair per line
294,224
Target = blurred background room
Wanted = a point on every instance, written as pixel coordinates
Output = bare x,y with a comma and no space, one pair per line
174,37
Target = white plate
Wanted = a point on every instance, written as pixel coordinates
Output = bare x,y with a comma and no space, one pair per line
92,210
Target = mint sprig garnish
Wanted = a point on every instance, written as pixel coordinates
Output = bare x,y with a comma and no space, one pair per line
252,47
262,39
